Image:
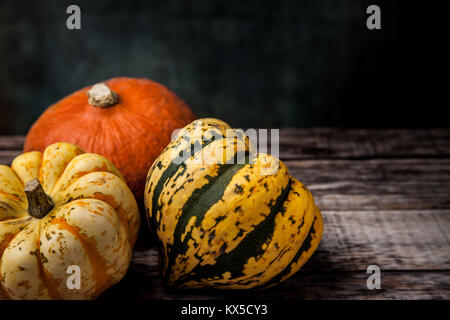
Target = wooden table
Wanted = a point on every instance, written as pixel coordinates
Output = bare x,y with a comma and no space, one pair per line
385,197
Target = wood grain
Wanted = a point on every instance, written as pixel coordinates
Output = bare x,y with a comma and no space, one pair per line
383,184
353,240
7,156
385,197
143,282
11,142
368,184
394,240
331,143
412,249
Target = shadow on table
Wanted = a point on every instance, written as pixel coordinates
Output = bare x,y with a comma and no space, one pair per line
143,282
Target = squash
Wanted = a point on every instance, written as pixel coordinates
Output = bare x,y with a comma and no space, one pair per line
224,216
128,121
59,209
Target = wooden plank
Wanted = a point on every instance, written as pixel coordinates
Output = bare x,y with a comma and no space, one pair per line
383,184
394,240
321,285
398,170
353,285
353,240
411,248
11,142
6,157
332,143
380,202
143,282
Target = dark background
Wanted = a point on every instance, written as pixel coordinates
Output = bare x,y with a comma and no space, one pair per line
251,63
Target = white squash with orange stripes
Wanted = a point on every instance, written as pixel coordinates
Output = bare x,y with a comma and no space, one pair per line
79,212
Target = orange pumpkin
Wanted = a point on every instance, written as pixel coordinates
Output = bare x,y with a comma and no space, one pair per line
129,121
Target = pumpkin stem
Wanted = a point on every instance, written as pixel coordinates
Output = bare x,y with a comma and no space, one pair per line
100,95
39,203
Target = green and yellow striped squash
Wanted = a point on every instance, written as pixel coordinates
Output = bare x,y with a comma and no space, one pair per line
227,225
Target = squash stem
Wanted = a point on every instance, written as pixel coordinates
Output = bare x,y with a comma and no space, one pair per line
39,203
100,95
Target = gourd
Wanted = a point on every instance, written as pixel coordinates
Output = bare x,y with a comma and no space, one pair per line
224,216
59,209
129,121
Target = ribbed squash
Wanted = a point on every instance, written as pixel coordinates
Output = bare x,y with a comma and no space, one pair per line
59,209
226,217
